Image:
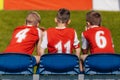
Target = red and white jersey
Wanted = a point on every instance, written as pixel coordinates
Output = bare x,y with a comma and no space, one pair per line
60,40
98,39
24,39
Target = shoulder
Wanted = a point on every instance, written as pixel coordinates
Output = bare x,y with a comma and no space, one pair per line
19,28
26,27
87,31
70,29
104,28
50,29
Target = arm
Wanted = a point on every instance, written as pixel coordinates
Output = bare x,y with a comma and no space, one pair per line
77,52
40,33
38,47
43,44
40,51
81,59
76,45
84,50
39,42
84,45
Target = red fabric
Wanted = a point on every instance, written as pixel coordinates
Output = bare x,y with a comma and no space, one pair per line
47,4
61,40
23,40
96,40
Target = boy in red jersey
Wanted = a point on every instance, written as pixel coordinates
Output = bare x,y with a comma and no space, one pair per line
96,37
61,39
26,37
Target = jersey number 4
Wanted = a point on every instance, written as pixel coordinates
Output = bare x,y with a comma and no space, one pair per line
21,35
100,39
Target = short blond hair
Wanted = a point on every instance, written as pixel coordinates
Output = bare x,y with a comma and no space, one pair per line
33,18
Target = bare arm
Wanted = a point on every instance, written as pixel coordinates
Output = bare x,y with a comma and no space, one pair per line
85,45
81,59
38,47
43,43
77,52
41,33
39,51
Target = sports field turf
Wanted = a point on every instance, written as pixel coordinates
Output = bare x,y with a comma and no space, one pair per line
10,19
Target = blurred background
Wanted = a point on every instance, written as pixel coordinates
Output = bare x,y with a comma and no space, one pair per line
111,5
13,13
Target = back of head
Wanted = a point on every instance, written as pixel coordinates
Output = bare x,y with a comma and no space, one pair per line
33,18
63,15
94,18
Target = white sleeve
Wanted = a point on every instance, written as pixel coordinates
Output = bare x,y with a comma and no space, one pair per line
39,32
76,41
84,42
44,41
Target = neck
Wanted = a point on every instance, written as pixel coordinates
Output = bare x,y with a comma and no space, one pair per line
92,26
61,25
31,25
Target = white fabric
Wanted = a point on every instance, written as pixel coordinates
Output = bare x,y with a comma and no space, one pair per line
84,42
39,32
76,41
44,41
109,5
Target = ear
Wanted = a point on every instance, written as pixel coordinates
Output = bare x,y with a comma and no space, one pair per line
56,20
37,24
69,21
88,23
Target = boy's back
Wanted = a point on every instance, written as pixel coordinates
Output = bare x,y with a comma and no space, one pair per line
60,39
99,39
96,38
24,39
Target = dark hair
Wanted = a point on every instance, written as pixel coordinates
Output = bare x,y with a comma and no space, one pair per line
94,18
33,18
63,15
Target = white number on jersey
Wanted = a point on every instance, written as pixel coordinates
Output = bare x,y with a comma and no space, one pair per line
21,35
58,46
100,39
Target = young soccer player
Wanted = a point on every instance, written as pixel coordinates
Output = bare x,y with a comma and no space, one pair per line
61,39
96,38
26,37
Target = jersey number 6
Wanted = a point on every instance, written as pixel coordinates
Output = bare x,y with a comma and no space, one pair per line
100,39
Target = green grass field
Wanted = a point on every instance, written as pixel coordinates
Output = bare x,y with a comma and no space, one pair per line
10,19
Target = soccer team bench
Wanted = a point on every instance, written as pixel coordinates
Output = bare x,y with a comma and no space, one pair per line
14,64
